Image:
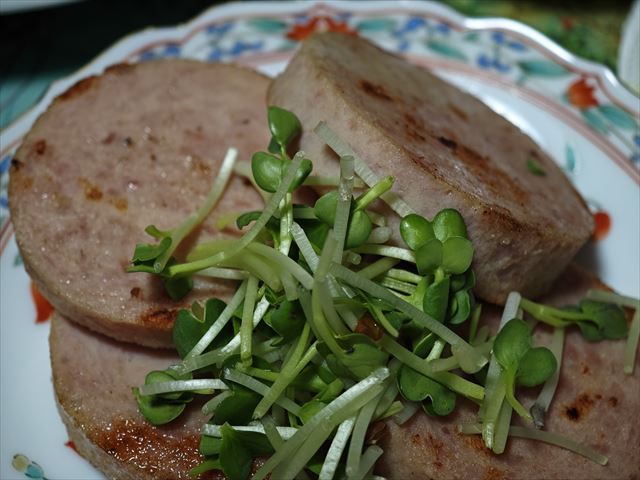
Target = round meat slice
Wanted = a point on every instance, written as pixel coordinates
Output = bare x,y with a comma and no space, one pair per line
101,415
139,145
595,404
446,149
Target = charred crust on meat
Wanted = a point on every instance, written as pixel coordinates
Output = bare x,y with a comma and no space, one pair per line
374,90
91,191
199,165
136,292
39,147
477,443
493,473
119,203
80,87
579,408
451,144
160,318
459,113
149,448
119,68
613,401
108,139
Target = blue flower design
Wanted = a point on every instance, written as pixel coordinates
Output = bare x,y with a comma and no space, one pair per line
219,29
237,49
636,140
517,46
171,50
443,28
4,164
485,61
498,37
147,55
412,24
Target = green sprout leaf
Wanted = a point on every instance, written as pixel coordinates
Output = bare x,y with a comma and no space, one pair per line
511,343
535,367
144,252
287,320
238,450
609,318
188,328
521,363
359,227
462,300
177,287
429,256
209,445
449,223
237,409
457,254
416,231
437,399
284,126
360,356
267,171
157,411
596,320
436,299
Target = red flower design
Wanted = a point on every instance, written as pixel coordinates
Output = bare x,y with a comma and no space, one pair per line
301,31
580,94
602,223
71,445
43,307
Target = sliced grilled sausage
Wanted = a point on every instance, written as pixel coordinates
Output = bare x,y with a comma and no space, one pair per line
139,145
595,404
445,149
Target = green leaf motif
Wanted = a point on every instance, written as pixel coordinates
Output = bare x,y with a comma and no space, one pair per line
542,68
570,159
595,121
267,25
446,50
376,25
617,117
471,37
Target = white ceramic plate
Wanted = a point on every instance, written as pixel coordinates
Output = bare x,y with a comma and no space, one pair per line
575,109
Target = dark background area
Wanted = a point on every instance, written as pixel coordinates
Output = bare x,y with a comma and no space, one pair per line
39,46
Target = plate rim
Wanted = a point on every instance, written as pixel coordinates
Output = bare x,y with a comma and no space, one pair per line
217,12
615,90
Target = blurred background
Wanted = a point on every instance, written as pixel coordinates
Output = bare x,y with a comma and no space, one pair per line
43,40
